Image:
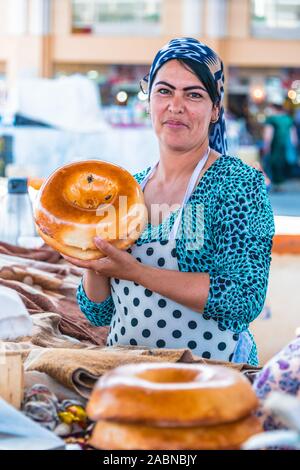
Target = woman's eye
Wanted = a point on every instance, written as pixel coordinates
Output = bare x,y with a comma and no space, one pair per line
195,95
163,91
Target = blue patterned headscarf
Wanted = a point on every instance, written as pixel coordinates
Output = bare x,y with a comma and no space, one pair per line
190,48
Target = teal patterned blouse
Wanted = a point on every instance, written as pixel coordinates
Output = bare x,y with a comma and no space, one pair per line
235,246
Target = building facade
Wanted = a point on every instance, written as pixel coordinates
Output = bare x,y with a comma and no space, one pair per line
114,41
39,35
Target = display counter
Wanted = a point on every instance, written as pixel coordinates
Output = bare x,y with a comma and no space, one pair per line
279,320
38,151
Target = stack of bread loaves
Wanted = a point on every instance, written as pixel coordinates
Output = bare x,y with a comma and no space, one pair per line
165,406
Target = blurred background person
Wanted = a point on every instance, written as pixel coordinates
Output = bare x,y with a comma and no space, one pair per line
296,171
279,144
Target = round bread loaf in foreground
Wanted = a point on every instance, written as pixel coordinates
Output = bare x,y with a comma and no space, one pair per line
86,199
173,395
108,435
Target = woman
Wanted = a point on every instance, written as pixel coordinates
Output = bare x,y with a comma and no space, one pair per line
198,274
280,143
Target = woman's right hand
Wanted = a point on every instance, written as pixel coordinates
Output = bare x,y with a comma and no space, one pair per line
90,264
115,263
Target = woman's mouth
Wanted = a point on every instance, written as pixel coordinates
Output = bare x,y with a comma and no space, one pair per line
175,124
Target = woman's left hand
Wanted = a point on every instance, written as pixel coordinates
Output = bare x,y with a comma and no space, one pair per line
117,263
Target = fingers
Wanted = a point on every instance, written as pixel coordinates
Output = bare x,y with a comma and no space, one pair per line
106,248
77,262
99,265
68,258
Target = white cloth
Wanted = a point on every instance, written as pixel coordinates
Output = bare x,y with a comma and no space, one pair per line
18,432
70,103
15,320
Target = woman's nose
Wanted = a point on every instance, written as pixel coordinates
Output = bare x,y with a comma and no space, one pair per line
176,104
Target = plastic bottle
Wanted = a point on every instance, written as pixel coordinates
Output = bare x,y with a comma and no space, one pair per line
16,216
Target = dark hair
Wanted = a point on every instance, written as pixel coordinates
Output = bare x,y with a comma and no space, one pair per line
278,107
205,76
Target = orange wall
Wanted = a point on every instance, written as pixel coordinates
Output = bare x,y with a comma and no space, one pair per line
239,48
244,52
238,12
261,52
24,56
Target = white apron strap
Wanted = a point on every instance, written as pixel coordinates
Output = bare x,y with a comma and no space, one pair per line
188,192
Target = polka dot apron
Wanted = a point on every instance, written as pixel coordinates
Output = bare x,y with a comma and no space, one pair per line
146,318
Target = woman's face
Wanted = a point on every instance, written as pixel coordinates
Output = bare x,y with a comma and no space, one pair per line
181,109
